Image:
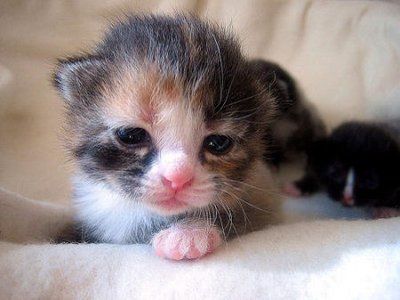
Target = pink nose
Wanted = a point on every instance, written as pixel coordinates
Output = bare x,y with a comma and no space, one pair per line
178,179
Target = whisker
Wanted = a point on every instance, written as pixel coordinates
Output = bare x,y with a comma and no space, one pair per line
220,221
246,202
248,98
267,191
230,217
221,69
228,93
245,217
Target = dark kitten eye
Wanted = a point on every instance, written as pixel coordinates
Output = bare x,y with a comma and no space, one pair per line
132,136
218,144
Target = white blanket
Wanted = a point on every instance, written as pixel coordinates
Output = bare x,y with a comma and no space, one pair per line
309,260
346,57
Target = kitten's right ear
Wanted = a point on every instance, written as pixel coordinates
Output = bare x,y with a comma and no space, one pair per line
78,78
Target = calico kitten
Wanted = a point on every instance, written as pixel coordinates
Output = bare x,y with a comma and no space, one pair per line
358,165
167,122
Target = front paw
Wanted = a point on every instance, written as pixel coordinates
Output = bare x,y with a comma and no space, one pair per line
186,241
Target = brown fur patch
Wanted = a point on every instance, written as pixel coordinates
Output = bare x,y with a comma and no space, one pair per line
137,97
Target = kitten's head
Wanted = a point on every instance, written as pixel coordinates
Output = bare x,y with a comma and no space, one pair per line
166,112
358,164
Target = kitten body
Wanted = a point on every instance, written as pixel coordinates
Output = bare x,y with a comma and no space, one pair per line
168,122
358,164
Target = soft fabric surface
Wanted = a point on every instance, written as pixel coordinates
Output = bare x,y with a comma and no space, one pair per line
314,260
345,55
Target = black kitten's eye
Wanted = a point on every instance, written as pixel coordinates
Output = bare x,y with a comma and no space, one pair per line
132,136
218,144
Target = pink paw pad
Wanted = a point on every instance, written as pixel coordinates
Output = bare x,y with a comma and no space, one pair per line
290,189
185,242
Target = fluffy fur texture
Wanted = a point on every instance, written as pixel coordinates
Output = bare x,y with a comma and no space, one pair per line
358,165
183,91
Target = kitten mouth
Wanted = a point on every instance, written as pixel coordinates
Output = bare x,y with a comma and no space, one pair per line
171,204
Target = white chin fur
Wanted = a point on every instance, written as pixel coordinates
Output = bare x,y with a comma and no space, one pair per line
169,212
113,217
110,215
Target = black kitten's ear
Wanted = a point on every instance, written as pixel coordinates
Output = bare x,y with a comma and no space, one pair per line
78,78
277,81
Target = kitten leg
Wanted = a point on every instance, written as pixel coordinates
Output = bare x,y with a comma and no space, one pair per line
187,241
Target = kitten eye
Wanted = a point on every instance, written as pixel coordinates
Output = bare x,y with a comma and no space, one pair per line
218,144
132,136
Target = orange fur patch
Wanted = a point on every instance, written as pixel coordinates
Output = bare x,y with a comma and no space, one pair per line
137,98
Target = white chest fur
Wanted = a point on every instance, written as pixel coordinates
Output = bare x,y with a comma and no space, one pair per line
110,217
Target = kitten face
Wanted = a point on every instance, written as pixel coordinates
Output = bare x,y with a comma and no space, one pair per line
173,123
358,165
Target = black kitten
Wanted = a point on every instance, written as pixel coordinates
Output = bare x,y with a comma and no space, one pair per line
358,164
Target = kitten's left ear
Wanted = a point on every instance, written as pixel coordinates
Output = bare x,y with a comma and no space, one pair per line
277,81
78,78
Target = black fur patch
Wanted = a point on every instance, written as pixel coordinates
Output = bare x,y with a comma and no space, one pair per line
372,150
